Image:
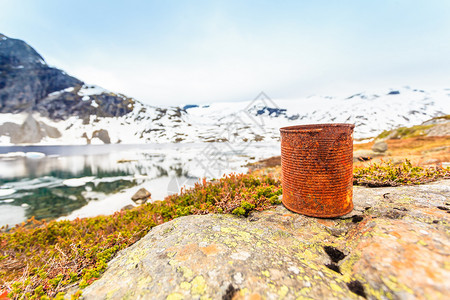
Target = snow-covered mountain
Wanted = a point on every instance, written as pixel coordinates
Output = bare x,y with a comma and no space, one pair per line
43,105
257,120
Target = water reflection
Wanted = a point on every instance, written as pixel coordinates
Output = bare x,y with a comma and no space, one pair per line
50,182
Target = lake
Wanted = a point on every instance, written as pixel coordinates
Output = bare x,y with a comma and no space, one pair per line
66,182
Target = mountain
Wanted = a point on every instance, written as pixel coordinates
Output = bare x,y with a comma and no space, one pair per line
28,84
40,104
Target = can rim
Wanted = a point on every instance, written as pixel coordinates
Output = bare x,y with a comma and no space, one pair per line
314,126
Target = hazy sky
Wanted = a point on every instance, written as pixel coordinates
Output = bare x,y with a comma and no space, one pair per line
178,52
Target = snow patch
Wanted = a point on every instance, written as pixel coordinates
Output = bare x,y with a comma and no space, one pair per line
75,182
89,90
6,192
7,201
12,214
13,118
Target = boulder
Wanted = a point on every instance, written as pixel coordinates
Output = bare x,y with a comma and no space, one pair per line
393,245
103,135
380,147
31,131
141,196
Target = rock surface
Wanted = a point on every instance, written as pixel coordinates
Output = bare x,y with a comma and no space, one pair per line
102,135
439,130
394,245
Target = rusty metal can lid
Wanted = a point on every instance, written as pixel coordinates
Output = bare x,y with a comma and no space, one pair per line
297,128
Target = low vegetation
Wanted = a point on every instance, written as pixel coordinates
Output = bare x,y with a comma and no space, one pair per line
390,174
405,132
43,260
413,131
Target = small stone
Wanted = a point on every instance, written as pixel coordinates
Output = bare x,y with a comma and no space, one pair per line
293,269
142,194
127,207
380,147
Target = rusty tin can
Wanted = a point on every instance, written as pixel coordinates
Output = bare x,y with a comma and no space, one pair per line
317,169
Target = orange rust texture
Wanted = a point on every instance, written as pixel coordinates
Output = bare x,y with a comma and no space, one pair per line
317,169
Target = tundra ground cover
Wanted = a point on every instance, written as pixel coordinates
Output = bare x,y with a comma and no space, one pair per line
43,260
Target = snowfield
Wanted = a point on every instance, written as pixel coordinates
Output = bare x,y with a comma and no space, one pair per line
237,122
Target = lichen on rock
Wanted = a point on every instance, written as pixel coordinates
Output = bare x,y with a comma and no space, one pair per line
394,245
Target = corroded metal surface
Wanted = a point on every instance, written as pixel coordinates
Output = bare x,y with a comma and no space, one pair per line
317,169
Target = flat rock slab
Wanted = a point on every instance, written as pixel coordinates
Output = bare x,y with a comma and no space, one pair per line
395,245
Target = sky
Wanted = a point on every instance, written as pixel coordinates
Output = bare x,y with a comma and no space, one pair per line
184,52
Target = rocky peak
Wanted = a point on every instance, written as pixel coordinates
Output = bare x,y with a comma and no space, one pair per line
25,78
16,53
28,84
